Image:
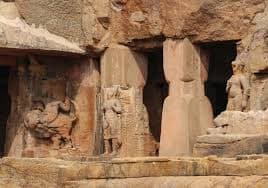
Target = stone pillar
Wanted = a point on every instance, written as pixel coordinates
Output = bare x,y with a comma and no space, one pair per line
124,67
127,70
85,81
187,112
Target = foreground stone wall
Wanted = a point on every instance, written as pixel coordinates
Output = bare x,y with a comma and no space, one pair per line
143,172
182,182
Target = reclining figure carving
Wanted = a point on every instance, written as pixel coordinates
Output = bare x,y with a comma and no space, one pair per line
53,121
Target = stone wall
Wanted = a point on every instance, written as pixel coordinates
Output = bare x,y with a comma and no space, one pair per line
49,79
143,172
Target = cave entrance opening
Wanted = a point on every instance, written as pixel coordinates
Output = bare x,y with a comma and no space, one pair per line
155,91
220,55
5,104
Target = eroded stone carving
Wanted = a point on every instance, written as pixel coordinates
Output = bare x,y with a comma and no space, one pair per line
112,110
235,122
237,89
53,121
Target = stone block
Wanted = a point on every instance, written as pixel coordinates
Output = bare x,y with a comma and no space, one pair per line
168,182
230,145
52,15
9,10
177,172
122,66
259,92
235,122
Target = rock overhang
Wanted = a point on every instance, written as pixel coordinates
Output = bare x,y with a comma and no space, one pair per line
18,37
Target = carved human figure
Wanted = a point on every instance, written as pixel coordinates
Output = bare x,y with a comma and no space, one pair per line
112,110
237,89
53,121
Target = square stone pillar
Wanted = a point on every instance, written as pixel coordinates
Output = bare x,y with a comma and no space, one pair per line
85,81
126,70
187,112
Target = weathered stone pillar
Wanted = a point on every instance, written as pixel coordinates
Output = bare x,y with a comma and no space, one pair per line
126,70
187,112
85,81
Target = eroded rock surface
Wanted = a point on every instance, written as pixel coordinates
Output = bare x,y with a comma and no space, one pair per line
96,23
16,34
142,172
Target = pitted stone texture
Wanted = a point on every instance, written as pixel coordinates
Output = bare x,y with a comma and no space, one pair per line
235,122
170,182
254,47
58,173
96,23
81,21
224,20
259,92
62,18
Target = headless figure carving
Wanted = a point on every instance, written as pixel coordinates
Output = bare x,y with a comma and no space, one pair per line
111,125
237,89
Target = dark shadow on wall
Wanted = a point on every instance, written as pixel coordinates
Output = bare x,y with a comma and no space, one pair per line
5,105
221,55
155,91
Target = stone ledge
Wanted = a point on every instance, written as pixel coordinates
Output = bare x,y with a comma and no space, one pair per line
180,182
55,173
226,138
227,145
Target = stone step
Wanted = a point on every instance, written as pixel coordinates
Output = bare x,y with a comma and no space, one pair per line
152,171
170,182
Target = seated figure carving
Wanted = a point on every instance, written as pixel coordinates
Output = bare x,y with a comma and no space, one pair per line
52,121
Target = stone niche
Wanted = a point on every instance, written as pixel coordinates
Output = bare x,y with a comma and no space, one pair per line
53,110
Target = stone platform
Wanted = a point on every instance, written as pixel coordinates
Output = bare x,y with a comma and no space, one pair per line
209,172
230,145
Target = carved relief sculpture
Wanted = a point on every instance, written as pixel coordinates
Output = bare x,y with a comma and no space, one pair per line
112,110
53,121
237,89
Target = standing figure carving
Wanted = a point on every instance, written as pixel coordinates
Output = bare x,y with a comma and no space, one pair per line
53,121
237,89
112,110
